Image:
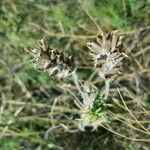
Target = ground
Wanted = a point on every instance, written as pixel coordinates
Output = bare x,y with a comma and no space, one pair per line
37,111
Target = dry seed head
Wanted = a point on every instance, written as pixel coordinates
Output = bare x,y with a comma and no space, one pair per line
51,61
105,51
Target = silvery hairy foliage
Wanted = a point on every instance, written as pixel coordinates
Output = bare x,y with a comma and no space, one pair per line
51,61
89,95
107,55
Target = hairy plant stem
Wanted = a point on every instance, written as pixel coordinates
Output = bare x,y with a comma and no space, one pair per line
76,81
107,88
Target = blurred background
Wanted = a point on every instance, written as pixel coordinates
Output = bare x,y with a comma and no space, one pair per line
30,116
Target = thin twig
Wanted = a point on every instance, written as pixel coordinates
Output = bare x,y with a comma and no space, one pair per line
89,15
124,136
127,123
60,35
131,113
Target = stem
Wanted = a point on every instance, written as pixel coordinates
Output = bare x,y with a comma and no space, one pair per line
107,88
76,81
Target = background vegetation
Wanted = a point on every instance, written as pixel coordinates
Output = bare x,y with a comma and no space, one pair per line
36,111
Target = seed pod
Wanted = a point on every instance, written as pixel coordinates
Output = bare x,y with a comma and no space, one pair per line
105,50
51,61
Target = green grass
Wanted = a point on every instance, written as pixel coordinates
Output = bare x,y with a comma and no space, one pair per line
62,22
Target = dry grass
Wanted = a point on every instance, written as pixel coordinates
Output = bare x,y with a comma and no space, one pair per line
37,112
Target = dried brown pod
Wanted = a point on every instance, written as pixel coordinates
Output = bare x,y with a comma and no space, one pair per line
105,50
51,61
